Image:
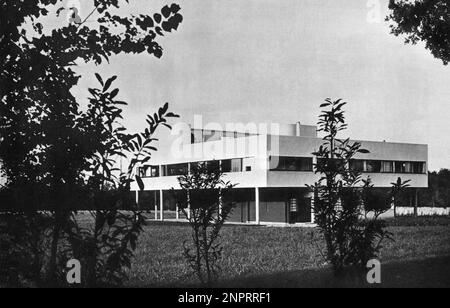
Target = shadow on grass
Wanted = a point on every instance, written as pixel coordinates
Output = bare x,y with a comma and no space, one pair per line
430,272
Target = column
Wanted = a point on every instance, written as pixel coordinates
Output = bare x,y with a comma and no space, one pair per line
156,206
137,198
161,205
416,201
257,205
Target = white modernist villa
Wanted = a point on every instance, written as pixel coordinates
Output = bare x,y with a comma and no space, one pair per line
270,169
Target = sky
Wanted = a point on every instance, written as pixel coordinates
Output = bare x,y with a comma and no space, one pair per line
276,61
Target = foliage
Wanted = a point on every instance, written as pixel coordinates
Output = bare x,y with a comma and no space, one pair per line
204,203
438,191
107,247
37,110
346,211
23,236
58,157
425,20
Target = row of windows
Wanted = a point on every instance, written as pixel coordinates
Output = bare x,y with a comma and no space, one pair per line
383,166
286,163
203,135
226,165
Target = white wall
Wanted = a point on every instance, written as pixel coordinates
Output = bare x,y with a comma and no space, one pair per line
423,211
240,179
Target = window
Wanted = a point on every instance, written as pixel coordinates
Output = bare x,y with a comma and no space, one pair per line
213,164
149,171
248,168
283,163
357,165
402,167
236,165
211,135
154,171
226,165
328,163
387,167
196,136
418,167
229,134
407,167
399,167
373,166
176,169
410,167
306,164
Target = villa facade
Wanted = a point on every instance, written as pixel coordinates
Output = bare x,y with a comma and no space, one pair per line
270,170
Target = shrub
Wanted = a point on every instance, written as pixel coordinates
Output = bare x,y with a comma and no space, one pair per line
346,212
203,202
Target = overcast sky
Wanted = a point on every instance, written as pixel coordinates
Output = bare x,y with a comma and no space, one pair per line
276,61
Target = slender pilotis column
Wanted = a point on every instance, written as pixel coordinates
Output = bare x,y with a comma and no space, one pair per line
257,205
161,204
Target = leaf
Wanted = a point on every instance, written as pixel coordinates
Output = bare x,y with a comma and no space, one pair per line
140,182
363,151
172,115
108,83
166,26
99,78
175,8
165,108
58,11
146,159
38,27
157,17
93,92
166,11
113,93
159,31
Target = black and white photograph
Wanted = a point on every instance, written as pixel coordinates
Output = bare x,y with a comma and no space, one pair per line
224,150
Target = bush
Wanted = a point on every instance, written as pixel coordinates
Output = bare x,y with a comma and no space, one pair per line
203,202
346,213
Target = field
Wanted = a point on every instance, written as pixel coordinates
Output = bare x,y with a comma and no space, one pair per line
291,257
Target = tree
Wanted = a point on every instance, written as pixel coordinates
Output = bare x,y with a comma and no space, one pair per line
106,248
36,77
48,146
438,191
425,20
346,209
204,202
398,193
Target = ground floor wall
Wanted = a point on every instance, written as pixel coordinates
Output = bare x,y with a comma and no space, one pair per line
286,205
250,205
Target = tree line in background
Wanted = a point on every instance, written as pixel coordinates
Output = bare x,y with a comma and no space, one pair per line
438,192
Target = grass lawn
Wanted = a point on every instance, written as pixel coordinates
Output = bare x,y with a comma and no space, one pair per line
290,257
